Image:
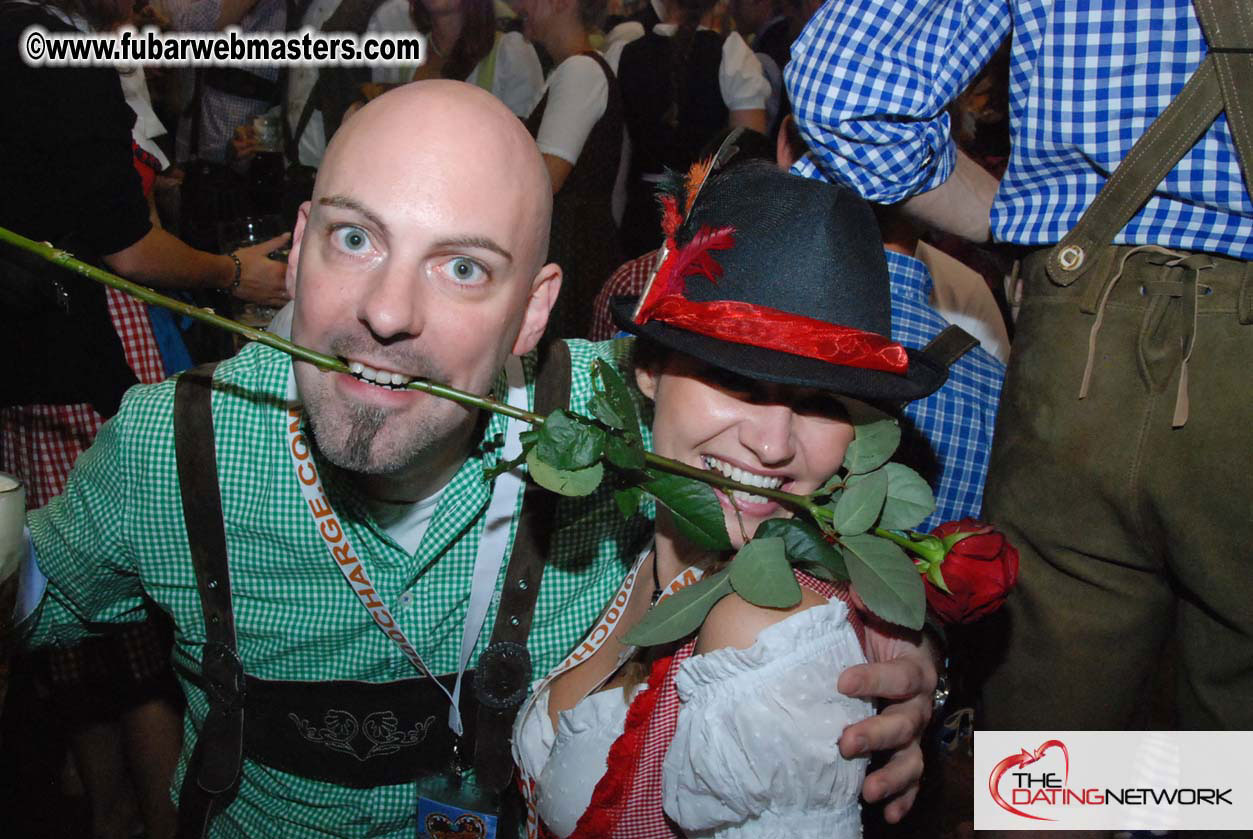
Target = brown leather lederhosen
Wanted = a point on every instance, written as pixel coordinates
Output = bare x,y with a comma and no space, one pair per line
280,723
1121,463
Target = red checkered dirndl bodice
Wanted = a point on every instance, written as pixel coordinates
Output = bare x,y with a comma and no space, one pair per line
627,803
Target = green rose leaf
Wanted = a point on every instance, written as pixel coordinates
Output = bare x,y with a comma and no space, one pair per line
861,503
805,546
761,574
614,407
626,451
878,435
681,613
565,443
564,481
628,501
603,410
695,508
909,500
886,580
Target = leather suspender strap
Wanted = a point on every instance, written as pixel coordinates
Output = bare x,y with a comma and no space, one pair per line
1176,130
493,758
213,771
1162,146
1228,27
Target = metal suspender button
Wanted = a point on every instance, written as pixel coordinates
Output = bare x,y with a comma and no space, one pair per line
1070,257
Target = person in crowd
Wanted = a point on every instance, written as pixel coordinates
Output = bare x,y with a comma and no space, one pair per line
69,168
358,537
769,27
949,432
769,416
579,129
318,98
1125,385
76,175
225,97
647,15
681,83
465,43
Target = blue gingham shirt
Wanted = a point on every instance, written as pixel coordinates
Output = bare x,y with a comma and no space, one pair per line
959,418
869,81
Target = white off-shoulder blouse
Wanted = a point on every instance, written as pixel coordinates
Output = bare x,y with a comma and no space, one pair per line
756,749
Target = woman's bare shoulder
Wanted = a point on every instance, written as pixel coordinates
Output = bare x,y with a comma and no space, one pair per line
734,622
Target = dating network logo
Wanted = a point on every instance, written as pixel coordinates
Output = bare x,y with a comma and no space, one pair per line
1040,779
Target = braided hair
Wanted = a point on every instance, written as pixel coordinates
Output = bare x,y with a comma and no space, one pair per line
691,12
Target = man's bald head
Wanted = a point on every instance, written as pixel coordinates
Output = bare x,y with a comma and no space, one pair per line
421,255
444,128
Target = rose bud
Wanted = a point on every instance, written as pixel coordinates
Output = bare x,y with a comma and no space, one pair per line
977,572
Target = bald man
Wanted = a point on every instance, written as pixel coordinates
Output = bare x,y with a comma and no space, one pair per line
357,547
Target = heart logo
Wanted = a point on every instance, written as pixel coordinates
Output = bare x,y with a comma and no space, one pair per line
467,826
1024,758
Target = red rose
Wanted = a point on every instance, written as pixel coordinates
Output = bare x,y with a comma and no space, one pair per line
978,570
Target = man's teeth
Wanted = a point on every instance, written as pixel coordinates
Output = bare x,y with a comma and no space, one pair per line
743,476
383,378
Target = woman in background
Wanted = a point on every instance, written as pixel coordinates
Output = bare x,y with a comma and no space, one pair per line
682,83
579,129
463,43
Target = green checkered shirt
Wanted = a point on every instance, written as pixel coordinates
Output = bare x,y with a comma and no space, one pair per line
117,535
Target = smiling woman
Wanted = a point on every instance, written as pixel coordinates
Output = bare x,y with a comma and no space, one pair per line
631,742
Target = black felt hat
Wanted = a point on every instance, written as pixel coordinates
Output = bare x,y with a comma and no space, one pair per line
802,295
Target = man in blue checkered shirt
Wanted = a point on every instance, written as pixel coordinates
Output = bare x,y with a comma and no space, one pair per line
1123,448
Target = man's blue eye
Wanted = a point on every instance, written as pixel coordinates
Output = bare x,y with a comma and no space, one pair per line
465,270
352,239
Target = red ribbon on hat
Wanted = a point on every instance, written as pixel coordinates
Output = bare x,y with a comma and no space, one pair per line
746,323
774,329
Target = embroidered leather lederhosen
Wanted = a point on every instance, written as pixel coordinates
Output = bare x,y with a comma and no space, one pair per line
284,724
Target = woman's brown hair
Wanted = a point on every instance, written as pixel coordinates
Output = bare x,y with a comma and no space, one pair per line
478,35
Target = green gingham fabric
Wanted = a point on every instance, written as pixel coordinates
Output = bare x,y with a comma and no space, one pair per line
116,534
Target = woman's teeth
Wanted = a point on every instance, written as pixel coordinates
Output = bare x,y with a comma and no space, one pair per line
743,476
382,378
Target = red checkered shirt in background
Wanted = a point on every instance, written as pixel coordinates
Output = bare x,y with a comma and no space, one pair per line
628,280
39,443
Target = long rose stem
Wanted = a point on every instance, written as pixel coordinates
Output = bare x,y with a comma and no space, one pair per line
66,260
